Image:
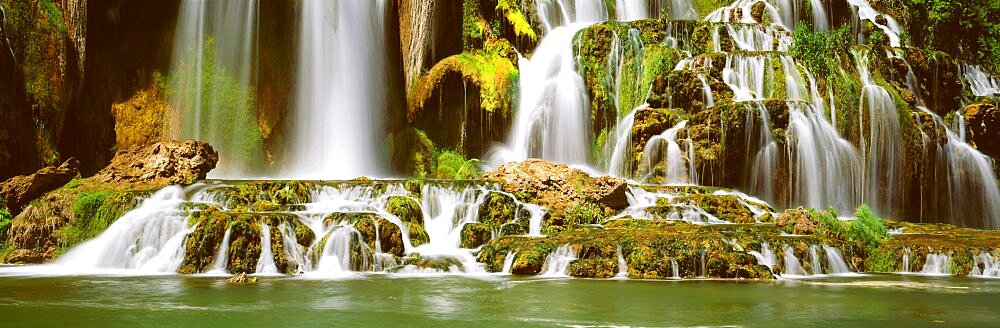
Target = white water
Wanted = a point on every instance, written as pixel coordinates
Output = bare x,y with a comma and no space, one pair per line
866,12
557,263
979,82
835,261
742,8
341,91
222,257
766,256
622,267
679,166
265,264
218,38
148,239
508,262
817,266
676,269
937,264
906,260
882,148
792,265
820,22
986,266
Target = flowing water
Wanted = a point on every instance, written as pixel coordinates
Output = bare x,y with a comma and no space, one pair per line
212,73
341,91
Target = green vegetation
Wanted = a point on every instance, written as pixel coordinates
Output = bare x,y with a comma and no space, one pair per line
492,69
454,165
218,108
5,221
95,211
583,213
818,50
516,19
867,228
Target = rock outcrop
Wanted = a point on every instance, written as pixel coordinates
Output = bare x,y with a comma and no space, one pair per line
557,186
20,190
162,163
81,210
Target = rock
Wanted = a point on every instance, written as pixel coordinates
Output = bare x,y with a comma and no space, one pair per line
983,122
557,186
798,220
27,256
20,190
162,163
241,278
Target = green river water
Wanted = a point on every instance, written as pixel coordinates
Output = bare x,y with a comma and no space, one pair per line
385,301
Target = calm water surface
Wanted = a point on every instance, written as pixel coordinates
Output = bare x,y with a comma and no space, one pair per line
879,300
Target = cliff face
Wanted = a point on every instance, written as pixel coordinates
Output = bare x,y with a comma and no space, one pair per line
72,60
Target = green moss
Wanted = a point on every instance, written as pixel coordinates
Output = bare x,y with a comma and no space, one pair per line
515,18
818,50
95,211
5,221
453,165
583,213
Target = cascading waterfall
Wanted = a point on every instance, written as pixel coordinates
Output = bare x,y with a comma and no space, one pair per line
622,267
265,264
865,11
679,168
212,80
148,239
906,260
986,265
882,147
508,262
835,261
817,266
937,264
765,256
820,22
979,82
792,265
557,263
222,257
630,10
340,91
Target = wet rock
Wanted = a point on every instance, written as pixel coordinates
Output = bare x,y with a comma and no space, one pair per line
163,163
241,279
20,190
983,123
558,186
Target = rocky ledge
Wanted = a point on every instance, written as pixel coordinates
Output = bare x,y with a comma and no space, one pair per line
82,208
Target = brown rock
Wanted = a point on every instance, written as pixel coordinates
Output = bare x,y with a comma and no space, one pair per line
27,256
983,122
20,190
162,163
799,220
558,186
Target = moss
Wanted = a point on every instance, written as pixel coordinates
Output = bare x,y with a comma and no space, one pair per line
5,221
453,165
516,19
405,208
583,213
95,211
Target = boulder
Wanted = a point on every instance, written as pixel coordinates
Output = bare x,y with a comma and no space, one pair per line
20,190
162,163
557,186
983,123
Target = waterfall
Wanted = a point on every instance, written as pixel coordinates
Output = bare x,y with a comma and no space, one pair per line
630,10
265,264
222,257
835,261
147,239
883,147
986,266
557,263
338,123
792,265
937,264
679,167
508,262
820,23
335,259
211,81
446,211
980,83
676,269
817,267
622,267
738,9
906,260
866,12
766,256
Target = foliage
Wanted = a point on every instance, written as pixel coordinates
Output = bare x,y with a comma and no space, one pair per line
817,50
218,108
516,19
867,228
584,213
970,29
494,72
453,165
5,220
704,7
829,225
